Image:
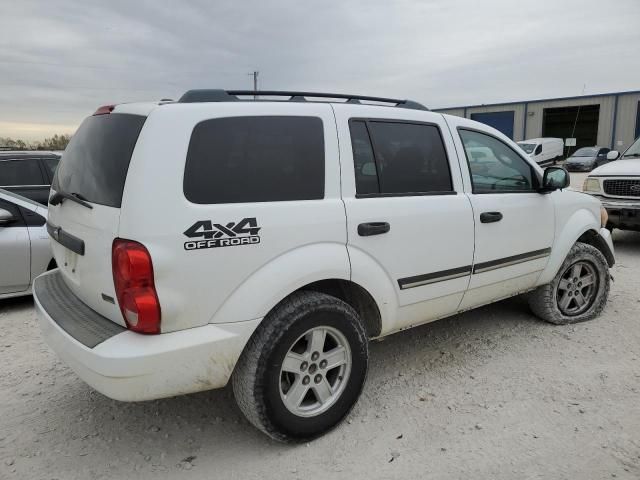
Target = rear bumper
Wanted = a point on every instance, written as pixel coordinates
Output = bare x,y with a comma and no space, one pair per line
129,366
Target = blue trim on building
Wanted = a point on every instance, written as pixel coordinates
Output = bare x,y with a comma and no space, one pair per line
579,97
613,127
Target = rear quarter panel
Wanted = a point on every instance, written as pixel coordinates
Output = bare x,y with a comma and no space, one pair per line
234,283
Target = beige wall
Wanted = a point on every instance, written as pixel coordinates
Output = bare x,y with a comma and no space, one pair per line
458,112
626,120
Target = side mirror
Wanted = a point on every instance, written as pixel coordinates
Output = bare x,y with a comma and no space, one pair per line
555,178
613,154
6,217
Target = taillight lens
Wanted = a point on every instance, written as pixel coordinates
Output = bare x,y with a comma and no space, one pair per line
135,289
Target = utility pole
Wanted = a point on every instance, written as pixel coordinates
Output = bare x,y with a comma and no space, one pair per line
255,83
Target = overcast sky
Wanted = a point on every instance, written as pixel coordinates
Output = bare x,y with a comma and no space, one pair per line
60,60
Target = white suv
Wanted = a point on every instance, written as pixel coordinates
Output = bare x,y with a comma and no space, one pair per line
265,242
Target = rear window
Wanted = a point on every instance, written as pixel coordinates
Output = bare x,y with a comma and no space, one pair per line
255,159
585,152
96,161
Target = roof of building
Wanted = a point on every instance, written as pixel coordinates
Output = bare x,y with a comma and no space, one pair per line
596,95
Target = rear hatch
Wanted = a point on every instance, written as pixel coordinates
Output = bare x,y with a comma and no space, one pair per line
93,170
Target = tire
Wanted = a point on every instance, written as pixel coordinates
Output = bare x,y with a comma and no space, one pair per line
548,302
262,382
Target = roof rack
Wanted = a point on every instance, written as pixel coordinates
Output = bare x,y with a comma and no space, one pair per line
219,95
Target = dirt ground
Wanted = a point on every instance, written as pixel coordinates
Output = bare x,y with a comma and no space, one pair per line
492,393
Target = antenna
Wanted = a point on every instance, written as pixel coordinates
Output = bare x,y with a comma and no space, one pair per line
575,122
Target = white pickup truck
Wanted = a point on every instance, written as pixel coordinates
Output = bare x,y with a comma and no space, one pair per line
617,186
265,242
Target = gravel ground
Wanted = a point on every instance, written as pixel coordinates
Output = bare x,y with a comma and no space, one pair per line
492,393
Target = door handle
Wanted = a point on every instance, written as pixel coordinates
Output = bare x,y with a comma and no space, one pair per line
373,228
490,217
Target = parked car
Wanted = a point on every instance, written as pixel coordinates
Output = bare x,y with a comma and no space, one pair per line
586,159
265,242
25,250
617,186
543,151
28,173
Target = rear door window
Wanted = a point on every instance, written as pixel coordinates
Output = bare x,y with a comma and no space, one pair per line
255,159
96,161
20,172
410,158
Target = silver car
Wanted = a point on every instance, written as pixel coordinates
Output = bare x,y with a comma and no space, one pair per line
586,159
25,251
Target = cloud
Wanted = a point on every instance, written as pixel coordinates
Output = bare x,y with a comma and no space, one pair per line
60,60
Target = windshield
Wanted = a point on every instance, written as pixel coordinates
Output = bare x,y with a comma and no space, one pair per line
585,152
527,147
633,151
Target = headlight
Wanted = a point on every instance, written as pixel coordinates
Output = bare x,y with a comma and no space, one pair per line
604,217
591,185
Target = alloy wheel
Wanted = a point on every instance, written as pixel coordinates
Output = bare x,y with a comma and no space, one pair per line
315,371
577,288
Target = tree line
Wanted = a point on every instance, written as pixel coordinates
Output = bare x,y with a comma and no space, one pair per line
57,142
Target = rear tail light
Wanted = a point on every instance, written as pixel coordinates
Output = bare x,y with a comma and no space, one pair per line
135,289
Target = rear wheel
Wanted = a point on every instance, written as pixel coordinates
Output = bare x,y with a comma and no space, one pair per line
304,367
578,292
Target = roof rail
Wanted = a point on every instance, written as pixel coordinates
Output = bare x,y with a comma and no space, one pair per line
219,95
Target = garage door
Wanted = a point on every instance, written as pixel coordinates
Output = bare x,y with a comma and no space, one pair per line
502,121
580,123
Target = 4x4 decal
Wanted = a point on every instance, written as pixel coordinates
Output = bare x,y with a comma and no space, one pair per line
244,232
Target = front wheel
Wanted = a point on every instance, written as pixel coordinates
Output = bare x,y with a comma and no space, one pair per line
303,368
578,292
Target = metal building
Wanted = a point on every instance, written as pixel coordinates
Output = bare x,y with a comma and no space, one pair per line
609,119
